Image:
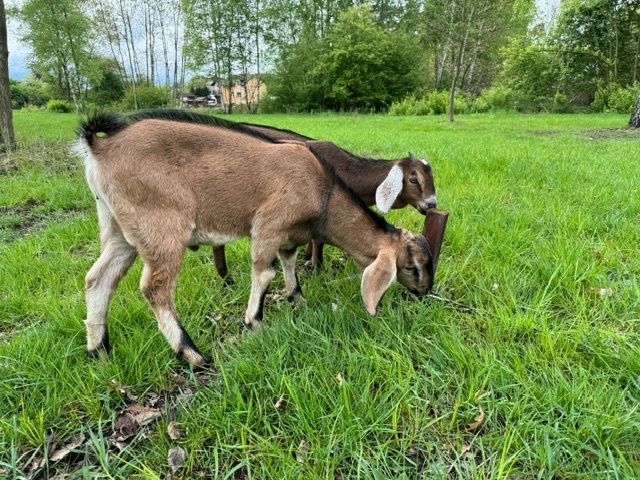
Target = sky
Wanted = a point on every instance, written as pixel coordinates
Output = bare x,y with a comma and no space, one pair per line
19,52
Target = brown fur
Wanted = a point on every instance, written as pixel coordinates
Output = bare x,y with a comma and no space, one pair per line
162,186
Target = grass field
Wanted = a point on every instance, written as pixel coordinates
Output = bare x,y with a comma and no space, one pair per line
533,373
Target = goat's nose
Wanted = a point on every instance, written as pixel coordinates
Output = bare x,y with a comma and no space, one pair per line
432,204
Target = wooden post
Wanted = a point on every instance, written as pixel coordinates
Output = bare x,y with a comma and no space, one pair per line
435,223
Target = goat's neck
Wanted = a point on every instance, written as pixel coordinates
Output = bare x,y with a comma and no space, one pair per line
351,228
364,178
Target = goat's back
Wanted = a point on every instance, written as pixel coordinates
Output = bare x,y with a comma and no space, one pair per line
218,177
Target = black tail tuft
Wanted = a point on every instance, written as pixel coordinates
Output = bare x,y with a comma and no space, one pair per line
105,123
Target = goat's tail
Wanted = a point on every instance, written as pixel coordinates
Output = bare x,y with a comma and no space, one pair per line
102,123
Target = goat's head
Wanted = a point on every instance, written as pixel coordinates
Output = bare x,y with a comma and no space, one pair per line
409,260
410,181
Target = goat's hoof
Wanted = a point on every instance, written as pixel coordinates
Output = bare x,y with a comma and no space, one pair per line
227,281
297,299
253,324
99,353
195,358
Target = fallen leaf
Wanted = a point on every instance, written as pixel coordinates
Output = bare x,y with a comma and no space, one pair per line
178,379
129,420
173,431
36,464
62,452
176,458
303,452
466,453
334,307
185,397
477,423
204,378
152,399
280,403
144,415
340,378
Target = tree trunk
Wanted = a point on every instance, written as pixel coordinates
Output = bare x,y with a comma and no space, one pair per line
634,121
6,115
458,65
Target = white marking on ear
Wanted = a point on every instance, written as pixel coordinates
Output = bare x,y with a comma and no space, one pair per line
389,189
424,161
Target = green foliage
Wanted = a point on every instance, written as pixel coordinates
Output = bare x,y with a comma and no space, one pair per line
28,92
437,103
357,66
433,103
146,96
60,35
293,87
614,98
531,76
107,87
364,66
59,106
499,97
596,42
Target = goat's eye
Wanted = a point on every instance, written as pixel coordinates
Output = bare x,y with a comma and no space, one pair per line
413,180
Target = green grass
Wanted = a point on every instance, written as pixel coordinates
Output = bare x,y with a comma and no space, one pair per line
544,209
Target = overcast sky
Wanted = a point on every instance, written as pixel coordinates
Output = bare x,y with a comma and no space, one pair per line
19,52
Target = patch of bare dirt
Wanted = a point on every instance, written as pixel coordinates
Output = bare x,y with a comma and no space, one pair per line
617,133
20,220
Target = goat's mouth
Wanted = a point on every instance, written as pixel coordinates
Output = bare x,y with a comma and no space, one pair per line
420,292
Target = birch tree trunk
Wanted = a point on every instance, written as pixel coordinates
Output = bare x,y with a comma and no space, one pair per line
634,121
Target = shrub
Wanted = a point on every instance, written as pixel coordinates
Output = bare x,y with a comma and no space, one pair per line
499,97
614,98
59,106
147,96
435,102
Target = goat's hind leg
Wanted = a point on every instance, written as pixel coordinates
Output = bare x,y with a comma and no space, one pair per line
220,262
291,283
158,284
116,257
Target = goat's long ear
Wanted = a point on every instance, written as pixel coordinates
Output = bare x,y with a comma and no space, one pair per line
377,278
389,189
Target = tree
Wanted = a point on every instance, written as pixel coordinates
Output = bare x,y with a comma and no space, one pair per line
634,121
6,119
362,65
60,35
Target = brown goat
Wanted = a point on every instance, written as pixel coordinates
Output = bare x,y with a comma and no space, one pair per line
385,183
164,184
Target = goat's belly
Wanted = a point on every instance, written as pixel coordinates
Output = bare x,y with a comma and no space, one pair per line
200,237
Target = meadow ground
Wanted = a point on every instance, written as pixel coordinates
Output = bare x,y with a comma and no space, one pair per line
535,373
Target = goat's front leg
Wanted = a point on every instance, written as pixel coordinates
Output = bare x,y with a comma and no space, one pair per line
291,283
263,257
